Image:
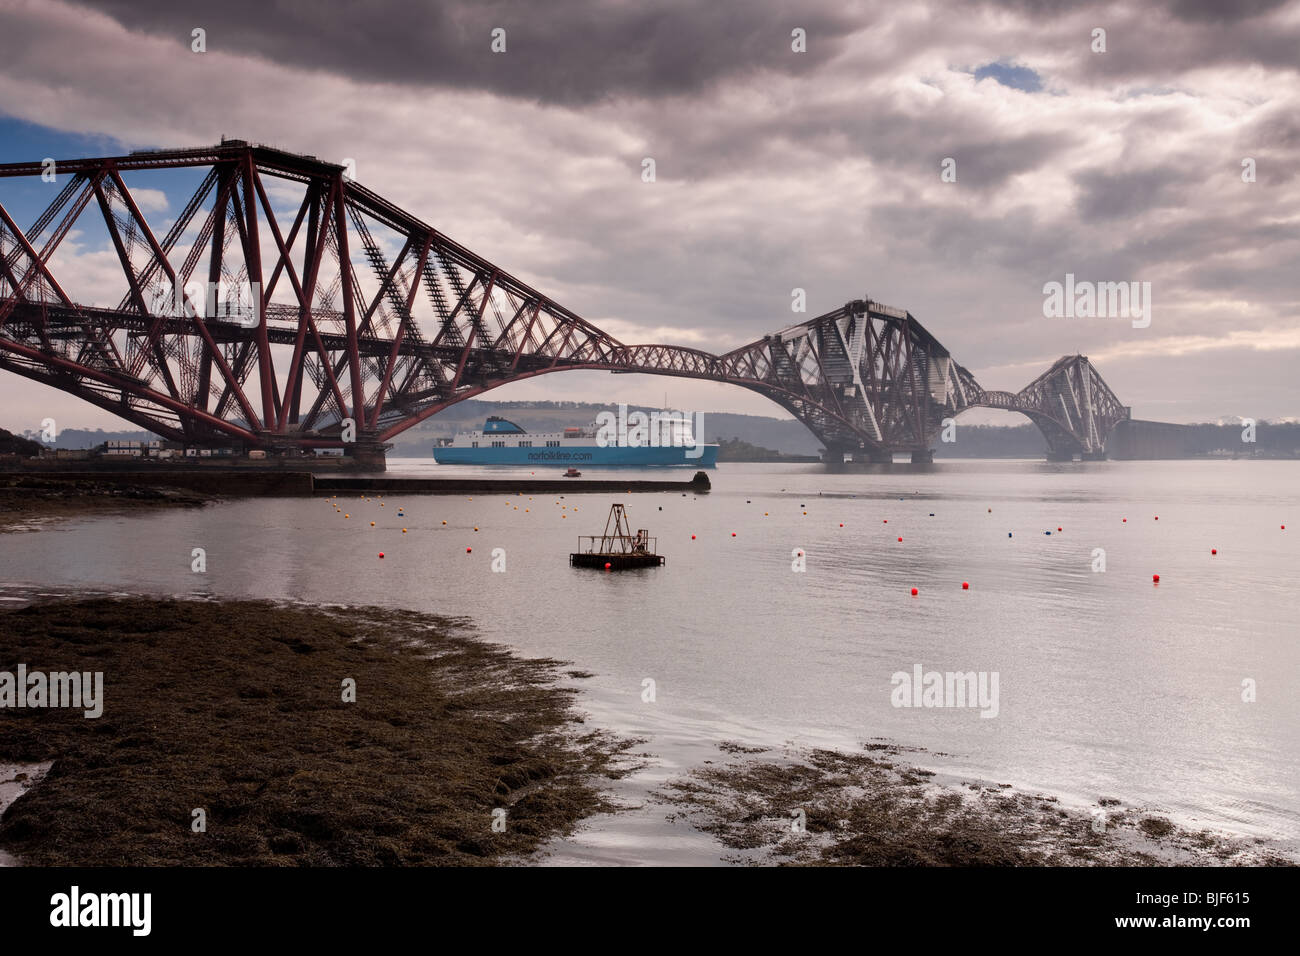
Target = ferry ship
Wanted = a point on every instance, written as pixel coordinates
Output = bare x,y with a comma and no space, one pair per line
502,442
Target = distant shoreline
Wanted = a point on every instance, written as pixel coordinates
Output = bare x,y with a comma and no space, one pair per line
27,499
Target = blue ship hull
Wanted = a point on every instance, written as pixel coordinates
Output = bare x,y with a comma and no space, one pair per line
592,456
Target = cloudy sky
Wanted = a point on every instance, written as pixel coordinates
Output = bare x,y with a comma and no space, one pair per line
775,168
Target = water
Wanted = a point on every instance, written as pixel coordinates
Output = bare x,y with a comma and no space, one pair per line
1109,685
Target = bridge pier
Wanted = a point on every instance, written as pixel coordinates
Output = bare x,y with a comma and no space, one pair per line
923,456
860,456
1093,456
369,455
1055,455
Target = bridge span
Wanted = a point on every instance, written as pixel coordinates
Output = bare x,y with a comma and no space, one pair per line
331,318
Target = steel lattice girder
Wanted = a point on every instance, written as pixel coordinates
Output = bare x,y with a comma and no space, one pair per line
320,340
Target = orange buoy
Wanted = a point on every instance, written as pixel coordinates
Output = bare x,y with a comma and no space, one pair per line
347,516
965,585
444,522
403,531
372,524
476,529
913,592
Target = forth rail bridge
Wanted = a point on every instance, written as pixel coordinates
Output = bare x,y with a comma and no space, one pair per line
239,326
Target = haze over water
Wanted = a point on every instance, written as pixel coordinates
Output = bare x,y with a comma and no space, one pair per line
1109,686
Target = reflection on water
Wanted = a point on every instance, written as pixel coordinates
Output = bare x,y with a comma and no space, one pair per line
1110,686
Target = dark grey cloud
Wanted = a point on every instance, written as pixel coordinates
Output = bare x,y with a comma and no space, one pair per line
1202,11
560,51
1107,194
1222,11
795,139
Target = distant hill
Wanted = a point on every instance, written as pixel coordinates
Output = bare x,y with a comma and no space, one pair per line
765,435
11,444
86,438
994,441
734,449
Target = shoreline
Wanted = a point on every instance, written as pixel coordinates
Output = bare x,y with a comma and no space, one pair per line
454,751
871,806
162,481
822,807
27,502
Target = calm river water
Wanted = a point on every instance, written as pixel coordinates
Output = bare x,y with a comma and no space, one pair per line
1109,685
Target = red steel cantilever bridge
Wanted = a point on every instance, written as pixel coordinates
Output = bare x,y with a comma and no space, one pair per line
300,331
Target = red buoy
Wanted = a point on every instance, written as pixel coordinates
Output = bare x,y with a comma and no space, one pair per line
841,524
900,539
381,554
1157,517
1214,551
965,585
1155,578
607,565
469,550
1058,528
692,537
1125,520
733,534
913,592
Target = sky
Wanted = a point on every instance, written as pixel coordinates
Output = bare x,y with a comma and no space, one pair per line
947,158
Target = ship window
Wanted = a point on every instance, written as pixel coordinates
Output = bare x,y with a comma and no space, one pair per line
473,444
525,444
552,444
